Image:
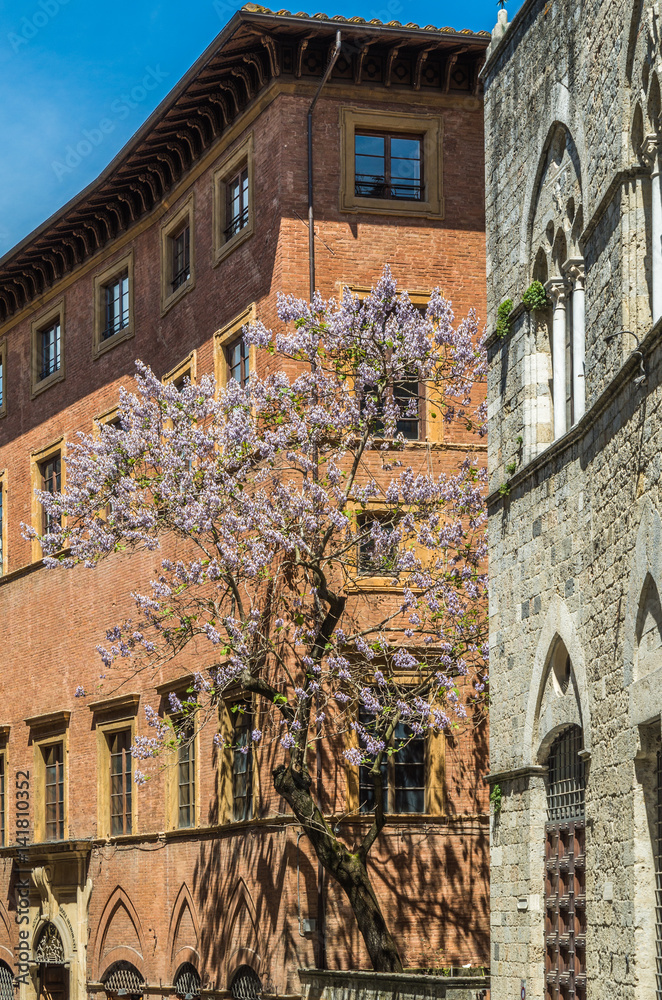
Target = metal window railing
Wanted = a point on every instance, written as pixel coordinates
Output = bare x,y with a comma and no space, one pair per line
566,780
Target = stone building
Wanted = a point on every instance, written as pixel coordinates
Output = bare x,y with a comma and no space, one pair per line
572,107
198,883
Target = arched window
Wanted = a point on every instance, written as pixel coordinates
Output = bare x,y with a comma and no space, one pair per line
123,980
187,982
246,984
565,870
6,982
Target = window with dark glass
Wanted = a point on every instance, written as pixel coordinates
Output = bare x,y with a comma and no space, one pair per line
186,780
406,394
120,782
54,791
236,203
116,306
388,166
181,258
403,773
372,559
51,482
238,359
49,350
242,765
2,800
565,870
2,497
2,381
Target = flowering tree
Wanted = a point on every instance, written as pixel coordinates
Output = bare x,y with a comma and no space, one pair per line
287,493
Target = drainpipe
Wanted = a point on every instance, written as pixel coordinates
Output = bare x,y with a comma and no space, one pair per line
311,221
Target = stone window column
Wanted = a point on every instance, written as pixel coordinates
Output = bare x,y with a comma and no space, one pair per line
651,154
557,290
577,274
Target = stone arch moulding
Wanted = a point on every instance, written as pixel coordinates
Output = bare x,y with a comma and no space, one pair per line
559,115
68,944
558,624
183,902
6,951
645,576
246,949
117,900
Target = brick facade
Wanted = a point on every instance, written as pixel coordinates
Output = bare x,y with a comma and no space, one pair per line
220,895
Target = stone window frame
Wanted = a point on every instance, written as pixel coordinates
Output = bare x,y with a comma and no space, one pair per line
231,697
225,336
4,555
113,715
430,127
243,154
45,731
435,778
3,377
187,366
101,281
44,322
37,459
169,229
179,687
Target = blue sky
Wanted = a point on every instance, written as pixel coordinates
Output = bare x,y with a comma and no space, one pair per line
68,64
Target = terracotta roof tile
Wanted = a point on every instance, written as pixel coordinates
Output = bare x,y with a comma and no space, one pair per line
255,8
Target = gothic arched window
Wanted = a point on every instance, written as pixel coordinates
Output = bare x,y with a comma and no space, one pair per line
6,982
565,870
246,984
187,981
123,980
50,950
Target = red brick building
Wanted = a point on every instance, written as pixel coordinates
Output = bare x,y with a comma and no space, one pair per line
190,231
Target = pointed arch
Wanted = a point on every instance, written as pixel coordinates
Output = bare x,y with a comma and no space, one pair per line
242,938
6,950
646,561
558,626
178,953
118,905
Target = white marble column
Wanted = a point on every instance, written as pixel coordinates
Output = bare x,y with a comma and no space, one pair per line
577,274
557,292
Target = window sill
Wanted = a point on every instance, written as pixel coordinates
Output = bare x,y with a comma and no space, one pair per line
231,245
174,297
46,383
102,346
391,206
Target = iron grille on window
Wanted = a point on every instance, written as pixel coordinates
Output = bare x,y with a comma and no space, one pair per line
186,780
403,774
187,982
6,982
51,482
565,871
54,761
242,766
658,883
116,301
565,794
238,358
181,258
49,351
123,979
50,950
120,782
388,166
2,800
246,984
236,204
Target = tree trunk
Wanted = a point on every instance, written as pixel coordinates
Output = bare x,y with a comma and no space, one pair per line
349,870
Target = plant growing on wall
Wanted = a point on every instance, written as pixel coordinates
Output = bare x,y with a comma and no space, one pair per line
535,297
281,496
503,318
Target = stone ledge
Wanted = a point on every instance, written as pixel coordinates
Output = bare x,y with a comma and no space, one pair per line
320,984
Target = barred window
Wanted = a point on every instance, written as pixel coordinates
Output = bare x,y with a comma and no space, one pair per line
123,979
187,982
246,984
6,982
120,782
565,790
